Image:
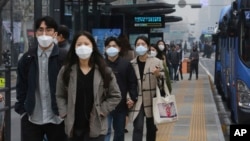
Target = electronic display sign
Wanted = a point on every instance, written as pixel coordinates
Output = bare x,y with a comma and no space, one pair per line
149,21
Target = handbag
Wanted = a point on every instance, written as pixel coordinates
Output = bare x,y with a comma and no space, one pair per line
164,108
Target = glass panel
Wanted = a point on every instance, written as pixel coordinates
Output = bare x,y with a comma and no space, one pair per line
245,50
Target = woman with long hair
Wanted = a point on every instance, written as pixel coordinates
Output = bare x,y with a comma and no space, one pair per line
86,91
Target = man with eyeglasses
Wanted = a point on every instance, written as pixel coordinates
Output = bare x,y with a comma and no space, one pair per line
36,85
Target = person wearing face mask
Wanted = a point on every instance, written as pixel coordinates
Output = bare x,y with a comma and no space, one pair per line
194,62
148,71
161,49
127,82
152,51
180,52
36,85
86,91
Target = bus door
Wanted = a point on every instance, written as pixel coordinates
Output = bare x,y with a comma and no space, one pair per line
242,70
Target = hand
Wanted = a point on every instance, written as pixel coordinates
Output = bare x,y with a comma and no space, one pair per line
63,116
156,71
101,114
130,103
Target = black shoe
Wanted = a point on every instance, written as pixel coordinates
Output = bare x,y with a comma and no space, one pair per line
189,78
125,131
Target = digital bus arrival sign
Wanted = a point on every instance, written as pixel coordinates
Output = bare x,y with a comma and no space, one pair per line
149,21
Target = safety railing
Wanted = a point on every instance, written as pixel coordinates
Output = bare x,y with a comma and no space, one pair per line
6,110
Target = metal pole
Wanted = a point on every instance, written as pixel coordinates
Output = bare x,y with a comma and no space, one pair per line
38,9
7,81
7,116
12,34
85,14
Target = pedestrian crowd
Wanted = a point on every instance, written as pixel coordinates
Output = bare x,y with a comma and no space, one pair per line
69,91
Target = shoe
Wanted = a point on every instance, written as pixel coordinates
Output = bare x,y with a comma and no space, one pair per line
125,131
189,78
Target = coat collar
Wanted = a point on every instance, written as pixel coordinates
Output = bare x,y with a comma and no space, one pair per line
146,68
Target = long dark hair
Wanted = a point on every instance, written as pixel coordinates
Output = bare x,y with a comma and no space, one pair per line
125,45
95,59
160,53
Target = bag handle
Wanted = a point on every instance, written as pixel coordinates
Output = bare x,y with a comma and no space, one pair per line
166,90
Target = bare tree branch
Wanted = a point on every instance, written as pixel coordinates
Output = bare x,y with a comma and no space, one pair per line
3,3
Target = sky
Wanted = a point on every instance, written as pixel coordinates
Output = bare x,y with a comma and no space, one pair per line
197,19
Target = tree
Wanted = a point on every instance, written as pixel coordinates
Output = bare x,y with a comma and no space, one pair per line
27,7
2,4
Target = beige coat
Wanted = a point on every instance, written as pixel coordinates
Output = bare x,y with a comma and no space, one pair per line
66,99
147,88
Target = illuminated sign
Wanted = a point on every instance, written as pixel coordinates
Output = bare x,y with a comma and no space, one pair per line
149,21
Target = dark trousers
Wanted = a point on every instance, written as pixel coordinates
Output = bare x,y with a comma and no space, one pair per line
118,119
180,70
85,137
193,67
175,68
138,127
170,69
34,132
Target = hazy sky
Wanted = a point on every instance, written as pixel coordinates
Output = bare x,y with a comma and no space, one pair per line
204,17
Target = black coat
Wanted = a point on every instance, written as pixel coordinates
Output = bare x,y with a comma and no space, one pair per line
27,78
126,79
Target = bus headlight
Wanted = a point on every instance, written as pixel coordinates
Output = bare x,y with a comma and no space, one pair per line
243,94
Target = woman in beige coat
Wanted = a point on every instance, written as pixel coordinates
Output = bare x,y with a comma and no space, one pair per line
86,91
148,74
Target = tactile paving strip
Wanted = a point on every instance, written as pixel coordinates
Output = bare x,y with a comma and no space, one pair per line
196,128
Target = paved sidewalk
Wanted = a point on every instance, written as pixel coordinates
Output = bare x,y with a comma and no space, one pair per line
198,116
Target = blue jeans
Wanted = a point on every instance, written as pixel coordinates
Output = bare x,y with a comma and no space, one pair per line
138,127
118,119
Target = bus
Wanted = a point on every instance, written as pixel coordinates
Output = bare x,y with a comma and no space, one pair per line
232,59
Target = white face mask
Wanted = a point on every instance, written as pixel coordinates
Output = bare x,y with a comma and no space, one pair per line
83,52
45,41
112,51
141,50
161,47
153,53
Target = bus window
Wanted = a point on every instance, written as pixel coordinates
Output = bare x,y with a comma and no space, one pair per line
245,52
